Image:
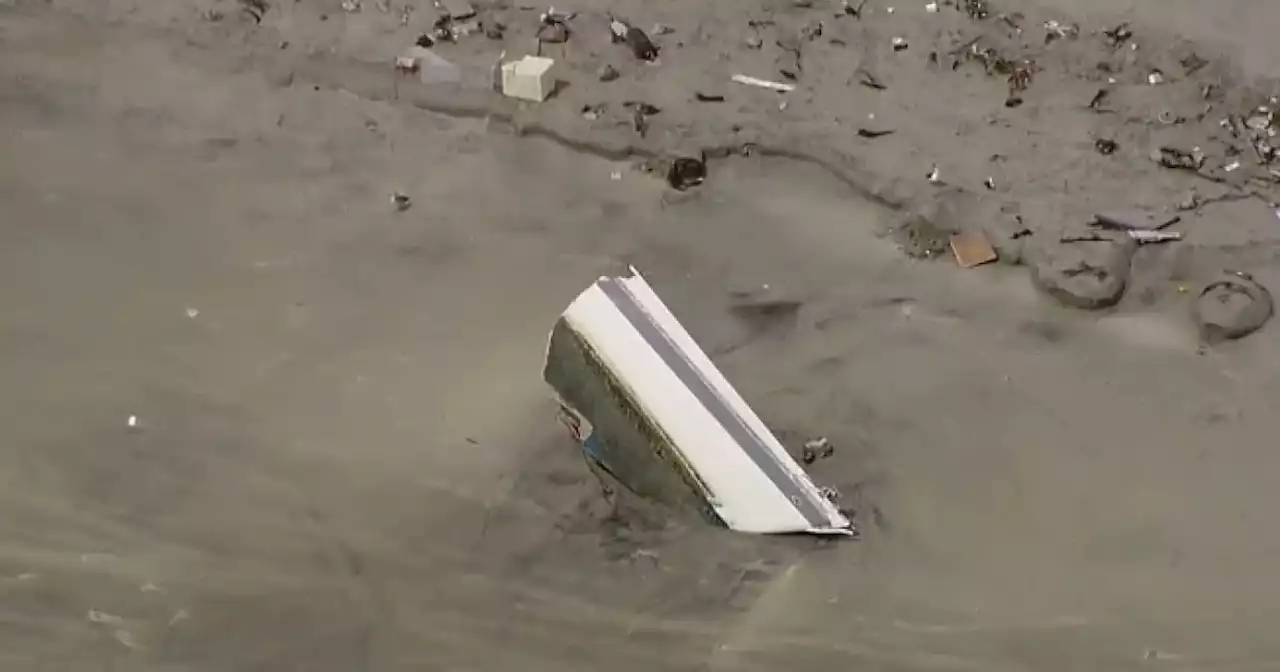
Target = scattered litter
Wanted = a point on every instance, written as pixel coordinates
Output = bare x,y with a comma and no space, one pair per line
1155,77
754,42
94,558
406,13
1145,236
687,172
607,73
553,29
1105,146
989,183
254,8
150,588
899,43
493,30
1172,157
178,616
932,8
1118,35
1232,167
869,80
976,9
27,576
1056,30
351,6
1169,119
661,29
816,449
641,46
707,98
593,112
763,83
868,133
639,123
851,10
401,202
132,422
934,176
971,248
383,6
812,30
424,40
615,175
193,313
96,616
530,78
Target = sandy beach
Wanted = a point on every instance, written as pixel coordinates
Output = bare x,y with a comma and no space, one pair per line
260,418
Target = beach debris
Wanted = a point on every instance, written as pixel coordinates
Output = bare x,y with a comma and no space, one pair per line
687,172
351,6
425,41
1232,167
1179,159
1105,146
383,6
593,112
869,80
406,13
179,616
1230,307
1113,223
989,183
96,616
638,122
899,43
493,30
661,29
1117,35
707,97
934,176
401,202
456,9
552,29
1056,30
812,30
1144,236
531,78
1095,103
972,248
1155,77
817,449
255,9
763,83
607,73
193,313
931,8
1189,202
615,175
149,587
754,42
977,9
849,9
132,422
639,43
872,134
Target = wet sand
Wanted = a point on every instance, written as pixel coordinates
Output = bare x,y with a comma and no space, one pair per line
344,458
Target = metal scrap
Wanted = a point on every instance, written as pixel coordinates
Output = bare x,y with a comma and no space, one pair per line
763,83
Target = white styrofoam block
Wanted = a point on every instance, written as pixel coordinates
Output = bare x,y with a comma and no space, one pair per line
530,78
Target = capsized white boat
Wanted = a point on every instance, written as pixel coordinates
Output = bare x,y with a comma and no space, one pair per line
651,410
